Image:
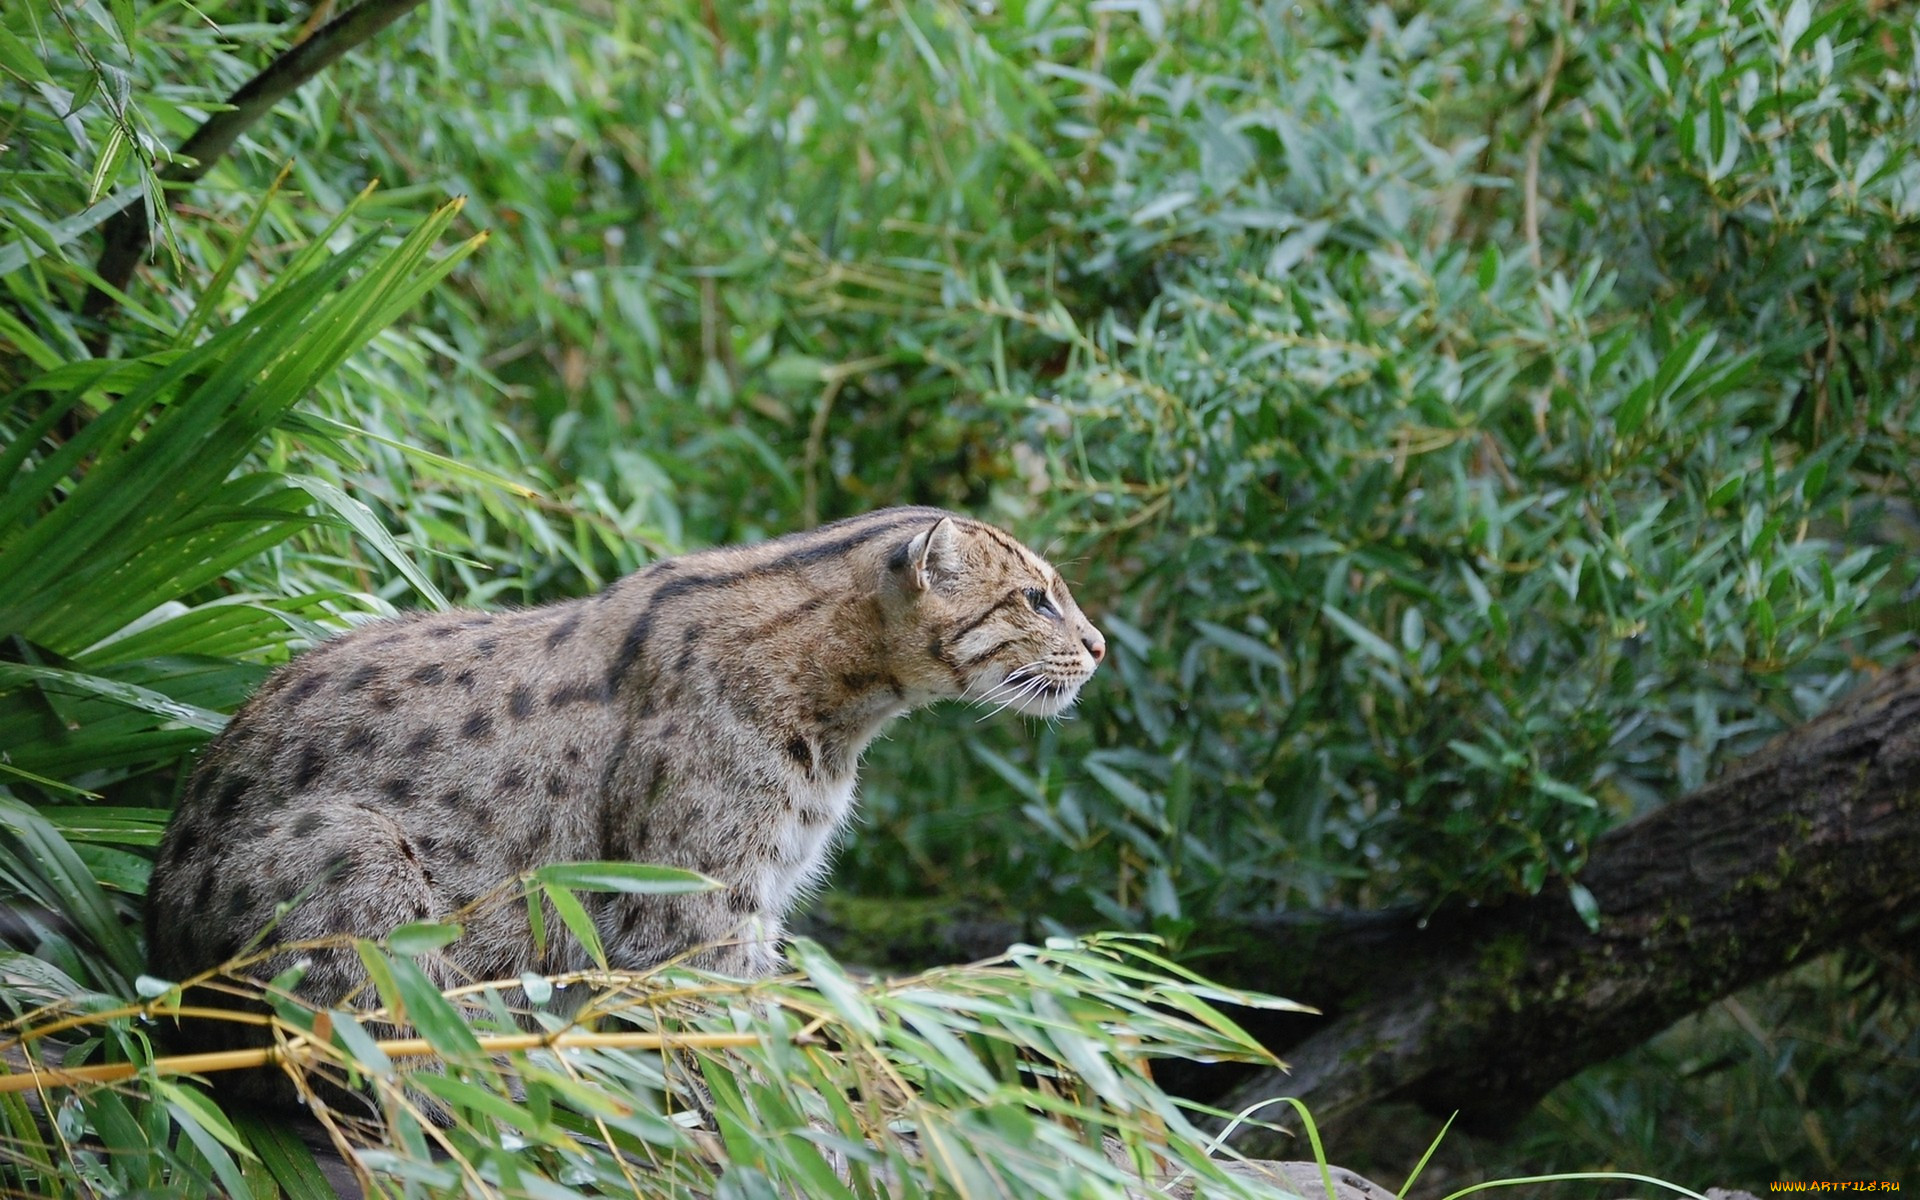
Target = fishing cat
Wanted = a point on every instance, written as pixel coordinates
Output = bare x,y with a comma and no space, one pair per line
706,712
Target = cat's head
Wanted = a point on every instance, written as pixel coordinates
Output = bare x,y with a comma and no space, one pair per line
994,619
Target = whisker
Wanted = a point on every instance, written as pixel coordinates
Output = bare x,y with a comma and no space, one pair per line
1019,670
1006,685
1013,678
1033,686
1011,699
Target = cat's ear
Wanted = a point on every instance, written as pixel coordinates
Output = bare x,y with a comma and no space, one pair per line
933,555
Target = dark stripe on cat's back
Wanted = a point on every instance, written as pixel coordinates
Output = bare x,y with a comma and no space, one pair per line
766,627
816,546
812,551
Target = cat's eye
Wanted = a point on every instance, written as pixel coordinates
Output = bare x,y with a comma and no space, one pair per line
1041,603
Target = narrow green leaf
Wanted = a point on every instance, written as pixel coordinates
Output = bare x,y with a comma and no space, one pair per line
1681,362
487,1103
350,1035
58,879
1018,779
131,695
286,1158
15,255
537,918
108,163
213,1146
640,879
1564,791
18,57
1489,267
423,937
475,472
1161,207
568,908
1633,410
205,1113
432,1014
1584,904
380,971
1369,641
1129,793
364,523
216,287
52,785
839,991
1240,644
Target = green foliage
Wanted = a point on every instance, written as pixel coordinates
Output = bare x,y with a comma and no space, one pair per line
1029,1076
1473,424
1427,564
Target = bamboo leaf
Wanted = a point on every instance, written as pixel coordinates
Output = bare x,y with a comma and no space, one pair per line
567,907
364,523
1370,642
286,1158
640,879
55,876
423,937
131,695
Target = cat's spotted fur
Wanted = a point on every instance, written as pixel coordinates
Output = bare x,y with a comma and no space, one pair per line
706,712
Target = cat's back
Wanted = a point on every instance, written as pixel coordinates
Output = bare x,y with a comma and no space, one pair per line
393,704
473,742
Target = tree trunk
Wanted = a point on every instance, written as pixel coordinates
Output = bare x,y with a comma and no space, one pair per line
1802,849
127,236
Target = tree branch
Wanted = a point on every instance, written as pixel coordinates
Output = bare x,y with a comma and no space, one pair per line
1798,851
128,234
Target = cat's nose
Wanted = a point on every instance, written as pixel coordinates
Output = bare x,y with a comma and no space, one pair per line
1095,644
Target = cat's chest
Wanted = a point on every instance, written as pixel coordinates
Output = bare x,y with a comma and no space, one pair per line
801,829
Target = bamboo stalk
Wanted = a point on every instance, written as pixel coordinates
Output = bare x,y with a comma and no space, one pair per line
35,1078
144,1011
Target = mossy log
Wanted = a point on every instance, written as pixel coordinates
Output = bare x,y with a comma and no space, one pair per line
1794,852
1808,846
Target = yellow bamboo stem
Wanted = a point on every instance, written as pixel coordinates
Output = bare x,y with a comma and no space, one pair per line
132,1010
238,1060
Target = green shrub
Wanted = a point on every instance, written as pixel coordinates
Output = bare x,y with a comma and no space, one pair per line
1473,423
1426,563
